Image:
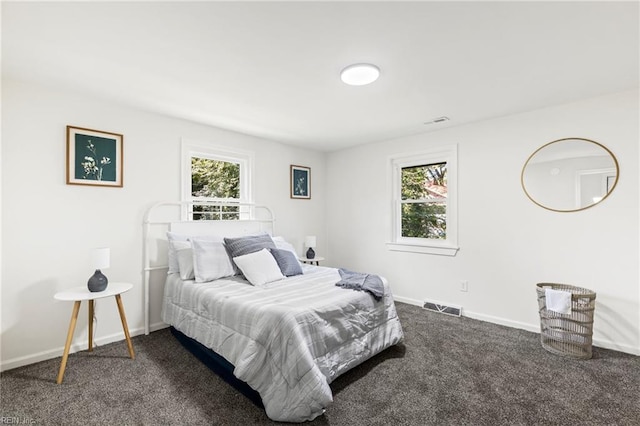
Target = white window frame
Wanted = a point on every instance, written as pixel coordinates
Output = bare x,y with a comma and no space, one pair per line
191,148
445,247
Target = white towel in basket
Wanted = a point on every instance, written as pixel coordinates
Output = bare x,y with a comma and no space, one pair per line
558,301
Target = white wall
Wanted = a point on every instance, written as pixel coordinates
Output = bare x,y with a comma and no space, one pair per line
49,228
507,243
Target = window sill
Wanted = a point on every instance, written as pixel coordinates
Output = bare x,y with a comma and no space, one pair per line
424,249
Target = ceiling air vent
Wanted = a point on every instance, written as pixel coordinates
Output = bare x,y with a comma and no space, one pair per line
437,120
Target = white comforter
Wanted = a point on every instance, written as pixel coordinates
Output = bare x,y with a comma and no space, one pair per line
289,339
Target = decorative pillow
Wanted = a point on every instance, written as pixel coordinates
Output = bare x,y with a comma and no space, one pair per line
173,259
259,267
180,241
281,243
210,260
185,262
251,243
287,262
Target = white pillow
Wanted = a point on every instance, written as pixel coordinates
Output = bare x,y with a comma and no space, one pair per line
173,258
180,241
185,262
210,259
259,267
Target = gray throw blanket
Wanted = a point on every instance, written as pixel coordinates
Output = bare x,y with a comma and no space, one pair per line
362,282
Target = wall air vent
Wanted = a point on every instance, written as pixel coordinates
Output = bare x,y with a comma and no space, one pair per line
437,120
453,310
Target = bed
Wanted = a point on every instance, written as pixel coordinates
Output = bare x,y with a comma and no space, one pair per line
287,338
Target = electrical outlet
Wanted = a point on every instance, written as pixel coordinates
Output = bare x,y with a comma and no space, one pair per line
464,285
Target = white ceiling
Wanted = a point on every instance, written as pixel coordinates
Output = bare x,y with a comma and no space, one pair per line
272,69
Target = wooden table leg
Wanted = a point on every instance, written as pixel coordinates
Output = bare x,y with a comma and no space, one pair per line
67,345
91,325
124,326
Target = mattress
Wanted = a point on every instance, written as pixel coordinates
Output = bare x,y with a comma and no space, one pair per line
288,339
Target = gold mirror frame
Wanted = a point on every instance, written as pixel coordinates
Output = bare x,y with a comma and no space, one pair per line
610,190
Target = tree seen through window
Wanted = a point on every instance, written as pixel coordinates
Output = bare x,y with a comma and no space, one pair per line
215,180
424,201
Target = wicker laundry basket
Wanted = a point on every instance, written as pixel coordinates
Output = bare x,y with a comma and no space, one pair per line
567,334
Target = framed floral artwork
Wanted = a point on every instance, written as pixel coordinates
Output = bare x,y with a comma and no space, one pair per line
94,157
300,182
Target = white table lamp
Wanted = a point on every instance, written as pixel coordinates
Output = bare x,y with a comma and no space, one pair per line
100,258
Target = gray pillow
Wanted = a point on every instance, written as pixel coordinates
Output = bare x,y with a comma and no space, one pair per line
251,243
287,261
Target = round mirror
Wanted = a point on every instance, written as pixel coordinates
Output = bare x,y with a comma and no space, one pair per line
570,174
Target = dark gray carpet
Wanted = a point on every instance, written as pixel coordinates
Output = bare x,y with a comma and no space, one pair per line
449,370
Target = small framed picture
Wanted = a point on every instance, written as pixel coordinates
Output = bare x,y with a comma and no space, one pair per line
94,157
300,182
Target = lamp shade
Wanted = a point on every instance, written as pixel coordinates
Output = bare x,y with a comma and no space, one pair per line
100,258
310,241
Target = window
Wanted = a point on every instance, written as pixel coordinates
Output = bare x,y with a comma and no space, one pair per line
215,174
425,202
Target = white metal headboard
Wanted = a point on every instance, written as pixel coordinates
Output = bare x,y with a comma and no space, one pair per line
243,219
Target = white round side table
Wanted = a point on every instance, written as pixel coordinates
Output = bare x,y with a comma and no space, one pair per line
316,259
77,295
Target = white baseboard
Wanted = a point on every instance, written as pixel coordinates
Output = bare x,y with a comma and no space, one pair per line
535,328
408,301
75,347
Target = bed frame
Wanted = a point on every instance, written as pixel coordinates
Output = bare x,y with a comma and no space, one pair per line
218,364
251,219
173,216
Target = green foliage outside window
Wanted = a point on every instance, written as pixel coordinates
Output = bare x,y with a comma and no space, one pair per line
424,201
215,179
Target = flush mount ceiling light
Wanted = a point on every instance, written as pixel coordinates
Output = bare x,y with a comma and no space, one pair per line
360,74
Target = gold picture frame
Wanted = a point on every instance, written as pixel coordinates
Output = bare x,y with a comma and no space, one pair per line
94,157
